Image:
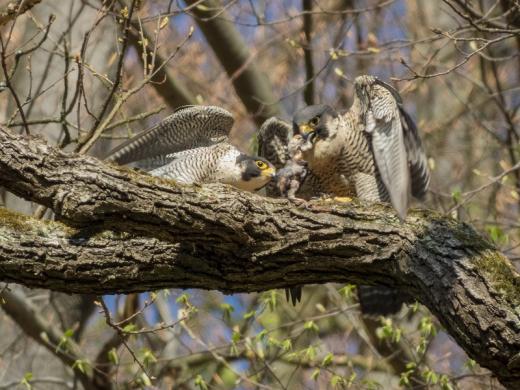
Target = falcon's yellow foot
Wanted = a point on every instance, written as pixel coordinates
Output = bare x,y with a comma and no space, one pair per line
342,199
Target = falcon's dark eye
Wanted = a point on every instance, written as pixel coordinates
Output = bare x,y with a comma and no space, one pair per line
260,164
314,121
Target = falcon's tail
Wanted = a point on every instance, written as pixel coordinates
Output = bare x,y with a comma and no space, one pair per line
293,294
381,300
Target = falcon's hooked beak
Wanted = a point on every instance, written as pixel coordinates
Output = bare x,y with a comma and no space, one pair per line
269,172
308,134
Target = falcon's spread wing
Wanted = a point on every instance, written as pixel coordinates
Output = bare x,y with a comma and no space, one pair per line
273,138
397,149
187,128
419,172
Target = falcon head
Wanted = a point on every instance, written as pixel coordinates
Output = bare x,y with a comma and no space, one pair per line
312,123
255,172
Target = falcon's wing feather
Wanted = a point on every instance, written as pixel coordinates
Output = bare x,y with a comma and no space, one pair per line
419,172
382,118
188,127
273,138
193,165
150,163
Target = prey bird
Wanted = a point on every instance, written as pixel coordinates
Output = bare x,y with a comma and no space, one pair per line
192,146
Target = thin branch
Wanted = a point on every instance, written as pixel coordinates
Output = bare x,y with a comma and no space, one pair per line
15,8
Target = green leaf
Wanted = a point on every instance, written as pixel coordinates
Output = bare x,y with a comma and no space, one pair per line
427,327
497,235
148,357
445,382
273,341
260,336
81,365
112,356
270,299
26,380
336,380
286,345
64,343
315,374
310,353
227,309
351,379
249,314
200,383
233,349
129,328
421,346
347,291
430,376
145,380
311,325
456,195
404,379
235,336
184,299
327,360
202,7
470,364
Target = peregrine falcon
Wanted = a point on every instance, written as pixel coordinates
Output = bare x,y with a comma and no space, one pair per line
192,146
372,151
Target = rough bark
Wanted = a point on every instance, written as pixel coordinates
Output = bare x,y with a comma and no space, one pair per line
136,233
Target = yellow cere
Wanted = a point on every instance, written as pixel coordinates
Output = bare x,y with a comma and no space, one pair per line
305,128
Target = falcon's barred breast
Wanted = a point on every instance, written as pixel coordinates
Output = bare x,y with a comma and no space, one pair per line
192,146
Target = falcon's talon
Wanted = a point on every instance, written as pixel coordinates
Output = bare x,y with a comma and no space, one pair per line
342,199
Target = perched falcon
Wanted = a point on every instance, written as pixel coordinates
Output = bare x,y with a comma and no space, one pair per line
372,151
192,146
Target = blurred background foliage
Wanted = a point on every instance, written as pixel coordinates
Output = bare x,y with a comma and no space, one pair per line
85,74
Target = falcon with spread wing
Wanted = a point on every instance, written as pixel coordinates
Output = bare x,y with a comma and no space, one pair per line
372,151
192,146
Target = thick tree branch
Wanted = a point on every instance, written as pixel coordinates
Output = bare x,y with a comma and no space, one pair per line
136,233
